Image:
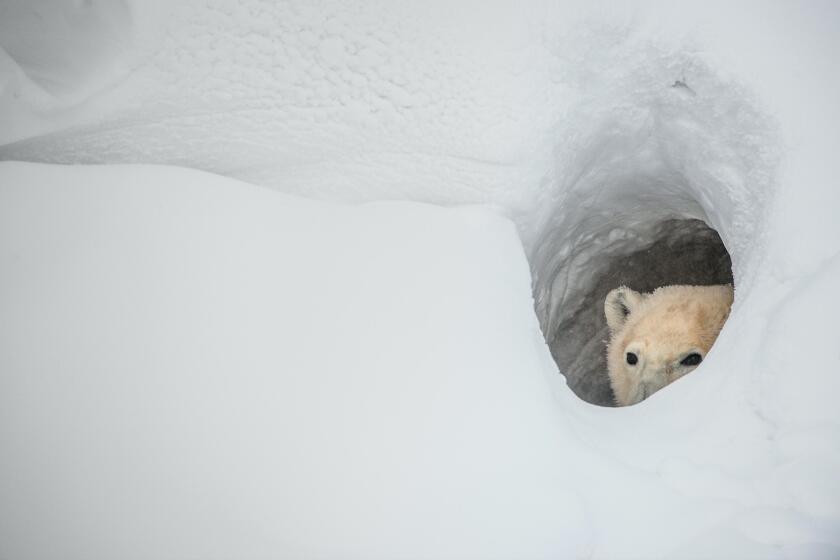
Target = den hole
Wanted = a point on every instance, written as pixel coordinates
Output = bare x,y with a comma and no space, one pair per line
643,258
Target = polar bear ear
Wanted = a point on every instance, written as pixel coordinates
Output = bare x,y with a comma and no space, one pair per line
619,304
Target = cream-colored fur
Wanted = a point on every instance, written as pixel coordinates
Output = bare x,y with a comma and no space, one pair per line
662,329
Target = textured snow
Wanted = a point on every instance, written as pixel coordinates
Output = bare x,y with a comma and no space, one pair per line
195,366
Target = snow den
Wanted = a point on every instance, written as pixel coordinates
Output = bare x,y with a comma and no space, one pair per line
656,193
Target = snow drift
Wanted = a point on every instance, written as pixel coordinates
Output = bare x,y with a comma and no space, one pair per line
196,366
199,367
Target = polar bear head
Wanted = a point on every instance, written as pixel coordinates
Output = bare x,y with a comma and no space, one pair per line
658,337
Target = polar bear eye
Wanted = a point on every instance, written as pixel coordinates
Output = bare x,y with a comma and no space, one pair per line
632,358
692,359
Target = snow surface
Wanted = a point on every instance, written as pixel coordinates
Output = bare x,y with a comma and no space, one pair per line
194,366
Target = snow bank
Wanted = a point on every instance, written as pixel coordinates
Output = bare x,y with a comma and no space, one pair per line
194,366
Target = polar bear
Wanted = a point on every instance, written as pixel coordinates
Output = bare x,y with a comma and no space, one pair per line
658,337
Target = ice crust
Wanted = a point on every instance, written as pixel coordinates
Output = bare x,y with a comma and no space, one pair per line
194,366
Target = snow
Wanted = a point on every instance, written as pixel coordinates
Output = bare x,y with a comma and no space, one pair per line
200,364
223,361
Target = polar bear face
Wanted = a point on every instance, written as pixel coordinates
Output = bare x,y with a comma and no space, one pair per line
657,338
